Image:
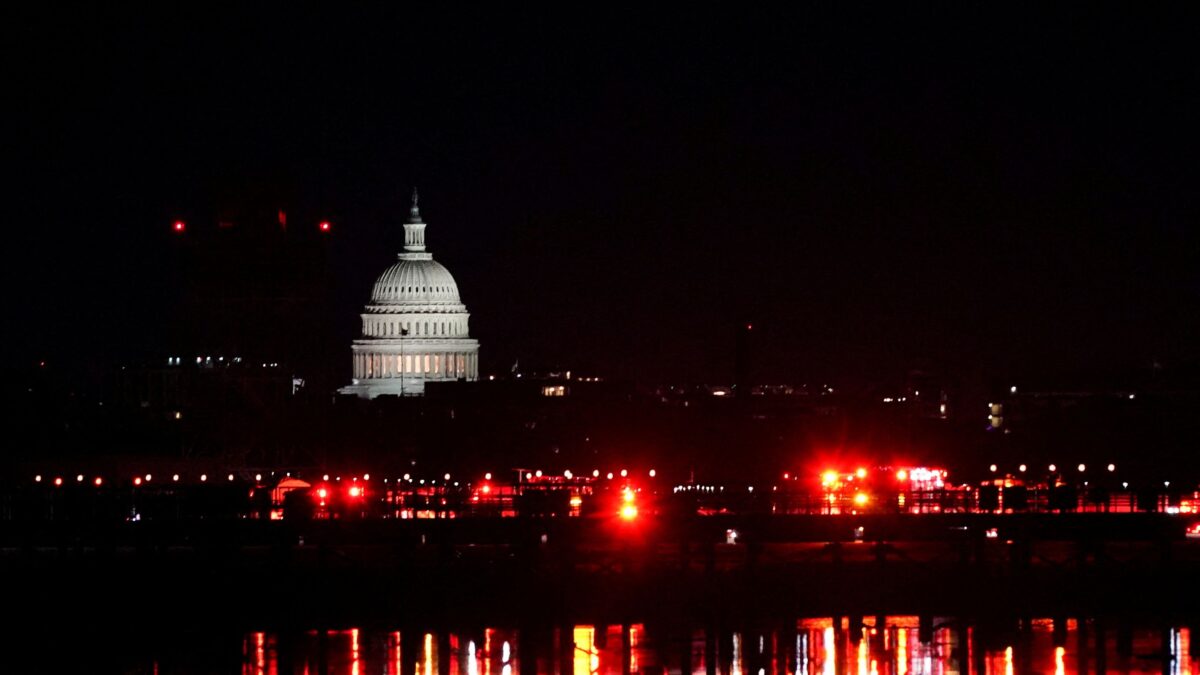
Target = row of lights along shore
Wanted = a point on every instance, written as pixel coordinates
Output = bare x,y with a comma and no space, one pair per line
137,480
1081,468
408,478
1053,468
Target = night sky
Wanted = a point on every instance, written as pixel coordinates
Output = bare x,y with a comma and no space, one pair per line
979,194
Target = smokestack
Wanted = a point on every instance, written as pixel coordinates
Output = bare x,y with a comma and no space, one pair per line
741,360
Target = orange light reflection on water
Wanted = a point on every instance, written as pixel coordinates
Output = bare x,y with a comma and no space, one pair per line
830,656
633,645
428,660
863,654
1185,656
586,660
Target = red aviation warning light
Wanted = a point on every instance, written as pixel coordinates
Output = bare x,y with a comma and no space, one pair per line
178,226
324,226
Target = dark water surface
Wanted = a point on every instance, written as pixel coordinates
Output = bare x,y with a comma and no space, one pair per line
890,645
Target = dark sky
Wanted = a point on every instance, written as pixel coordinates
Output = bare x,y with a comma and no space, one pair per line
977,193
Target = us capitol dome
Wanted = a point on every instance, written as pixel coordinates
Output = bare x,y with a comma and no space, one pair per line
414,329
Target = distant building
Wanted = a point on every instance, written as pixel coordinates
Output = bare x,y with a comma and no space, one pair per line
249,287
206,384
415,326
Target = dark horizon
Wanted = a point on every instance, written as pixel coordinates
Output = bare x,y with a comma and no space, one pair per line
985,197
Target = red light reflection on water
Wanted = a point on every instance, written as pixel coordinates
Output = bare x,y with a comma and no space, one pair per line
815,647
260,657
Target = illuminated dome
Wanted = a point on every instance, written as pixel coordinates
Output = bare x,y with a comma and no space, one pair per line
415,326
420,282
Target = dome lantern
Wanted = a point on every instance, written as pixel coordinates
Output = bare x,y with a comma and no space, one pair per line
414,230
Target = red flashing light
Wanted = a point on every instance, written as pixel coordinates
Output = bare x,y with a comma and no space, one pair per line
749,326
99,481
137,480
179,226
486,489
322,493
323,226
901,475
629,512
356,491
57,482
861,472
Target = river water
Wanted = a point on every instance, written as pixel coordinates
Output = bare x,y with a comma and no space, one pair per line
890,645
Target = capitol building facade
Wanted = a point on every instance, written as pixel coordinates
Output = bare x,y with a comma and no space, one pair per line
414,329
